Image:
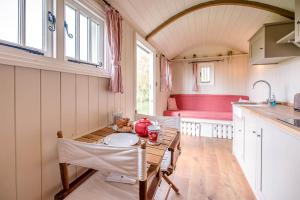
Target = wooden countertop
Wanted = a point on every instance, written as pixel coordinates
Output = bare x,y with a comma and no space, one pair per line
272,113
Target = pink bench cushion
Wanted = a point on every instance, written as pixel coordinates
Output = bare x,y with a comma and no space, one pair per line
205,106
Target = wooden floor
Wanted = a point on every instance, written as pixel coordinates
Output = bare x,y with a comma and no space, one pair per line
207,170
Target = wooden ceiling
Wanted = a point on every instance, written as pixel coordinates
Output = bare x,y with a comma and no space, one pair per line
227,25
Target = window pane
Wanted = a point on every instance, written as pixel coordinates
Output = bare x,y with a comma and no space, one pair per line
70,42
34,23
205,74
9,20
83,38
95,42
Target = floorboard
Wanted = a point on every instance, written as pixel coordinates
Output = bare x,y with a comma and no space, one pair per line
207,170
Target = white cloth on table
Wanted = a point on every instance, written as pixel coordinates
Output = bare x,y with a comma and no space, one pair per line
105,158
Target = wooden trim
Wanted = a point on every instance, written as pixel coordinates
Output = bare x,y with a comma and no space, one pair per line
16,57
175,142
143,190
153,186
173,186
253,4
143,183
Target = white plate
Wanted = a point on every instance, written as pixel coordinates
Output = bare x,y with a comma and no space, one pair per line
121,139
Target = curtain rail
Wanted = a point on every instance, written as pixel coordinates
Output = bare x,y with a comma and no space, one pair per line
211,58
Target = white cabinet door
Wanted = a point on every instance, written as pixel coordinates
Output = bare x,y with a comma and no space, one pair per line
238,140
280,164
252,150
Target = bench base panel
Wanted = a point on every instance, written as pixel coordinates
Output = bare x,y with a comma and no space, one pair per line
206,128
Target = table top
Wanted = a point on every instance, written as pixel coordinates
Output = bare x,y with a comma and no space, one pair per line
154,153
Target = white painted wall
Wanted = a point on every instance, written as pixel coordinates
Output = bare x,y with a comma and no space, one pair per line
230,78
35,104
283,77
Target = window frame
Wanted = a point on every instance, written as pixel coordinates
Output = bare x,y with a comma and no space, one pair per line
211,67
54,59
47,39
80,9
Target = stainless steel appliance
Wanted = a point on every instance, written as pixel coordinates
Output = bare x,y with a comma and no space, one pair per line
291,121
297,102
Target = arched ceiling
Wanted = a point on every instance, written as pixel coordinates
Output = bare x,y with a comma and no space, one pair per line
229,26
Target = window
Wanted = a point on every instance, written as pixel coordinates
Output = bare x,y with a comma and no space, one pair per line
206,73
9,28
144,79
70,18
83,47
84,35
34,23
23,23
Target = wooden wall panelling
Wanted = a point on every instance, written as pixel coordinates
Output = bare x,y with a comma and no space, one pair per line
82,104
8,188
50,116
68,110
230,78
82,109
124,61
110,106
117,107
93,103
28,133
129,57
103,103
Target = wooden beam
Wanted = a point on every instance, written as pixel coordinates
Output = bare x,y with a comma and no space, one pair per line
253,4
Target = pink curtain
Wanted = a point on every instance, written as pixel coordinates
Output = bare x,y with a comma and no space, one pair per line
165,75
195,77
114,34
170,77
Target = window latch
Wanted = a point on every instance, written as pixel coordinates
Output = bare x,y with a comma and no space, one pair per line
100,64
67,30
52,21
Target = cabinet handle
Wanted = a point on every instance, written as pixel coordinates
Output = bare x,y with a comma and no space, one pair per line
261,48
298,22
255,133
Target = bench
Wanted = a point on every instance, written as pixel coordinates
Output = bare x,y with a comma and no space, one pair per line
205,114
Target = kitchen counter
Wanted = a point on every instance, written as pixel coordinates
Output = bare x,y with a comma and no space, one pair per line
272,113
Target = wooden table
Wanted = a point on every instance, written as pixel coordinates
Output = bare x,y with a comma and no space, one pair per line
154,154
169,140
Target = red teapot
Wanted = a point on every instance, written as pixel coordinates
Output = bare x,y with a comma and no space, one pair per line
141,127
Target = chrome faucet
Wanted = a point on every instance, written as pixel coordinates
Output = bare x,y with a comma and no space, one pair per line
268,84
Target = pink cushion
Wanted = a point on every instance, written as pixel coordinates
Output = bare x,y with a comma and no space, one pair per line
206,102
200,114
172,104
